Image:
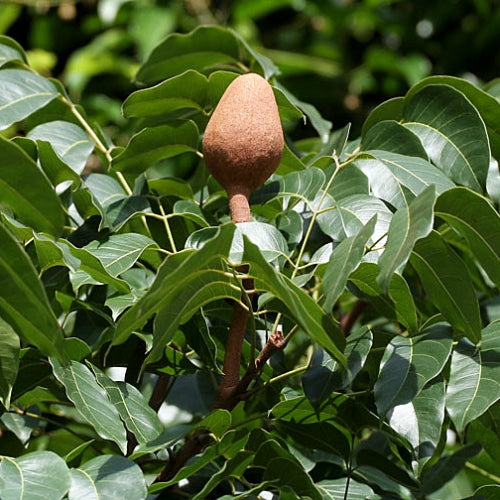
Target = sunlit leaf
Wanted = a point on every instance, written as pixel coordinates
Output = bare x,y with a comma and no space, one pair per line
396,178
452,132
478,222
9,361
343,261
474,375
27,192
107,476
151,145
68,140
40,474
138,416
408,364
21,94
23,300
91,401
408,225
448,284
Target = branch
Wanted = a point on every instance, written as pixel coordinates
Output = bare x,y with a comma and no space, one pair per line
347,320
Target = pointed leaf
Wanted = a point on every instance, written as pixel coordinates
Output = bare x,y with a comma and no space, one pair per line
21,94
178,276
324,375
204,49
408,225
91,401
390,135
399,304
408,364
9,361
333,489
139,418
343,261
397,179
287,473
420,421
474,375
447,467
68,140
120,251
300,306
151,145
452,132
23,301
35,202
185,91
107,477
10,50
478,222
341,218
486,104
40,474
448,284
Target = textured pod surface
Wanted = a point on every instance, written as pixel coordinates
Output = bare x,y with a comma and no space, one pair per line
243,141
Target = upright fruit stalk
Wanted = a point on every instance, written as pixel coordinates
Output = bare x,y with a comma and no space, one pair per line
242,147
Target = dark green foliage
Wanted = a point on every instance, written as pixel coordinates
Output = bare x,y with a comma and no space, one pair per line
378,258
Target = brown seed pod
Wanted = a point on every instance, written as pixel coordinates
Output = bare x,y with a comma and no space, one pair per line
243,141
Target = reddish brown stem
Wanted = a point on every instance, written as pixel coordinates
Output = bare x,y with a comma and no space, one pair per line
347,321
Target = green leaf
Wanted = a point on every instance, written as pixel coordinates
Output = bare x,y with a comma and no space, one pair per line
151,145
139,418
447,467
68,140
182,92
408,225
40,474
270,241
488,492
204,49
110,477
91,401
302,185
345,217
232,468
10,50
322,126
398,304
9,361
183,284
478,222
452,132
447,283
23,301
35,202
333,489
318,436
228,446
22,425
486,104
390,135
397,179
120,251
474,375
408,364
392,109
343,261
287,473
300,306
21,94
420,421
324,375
